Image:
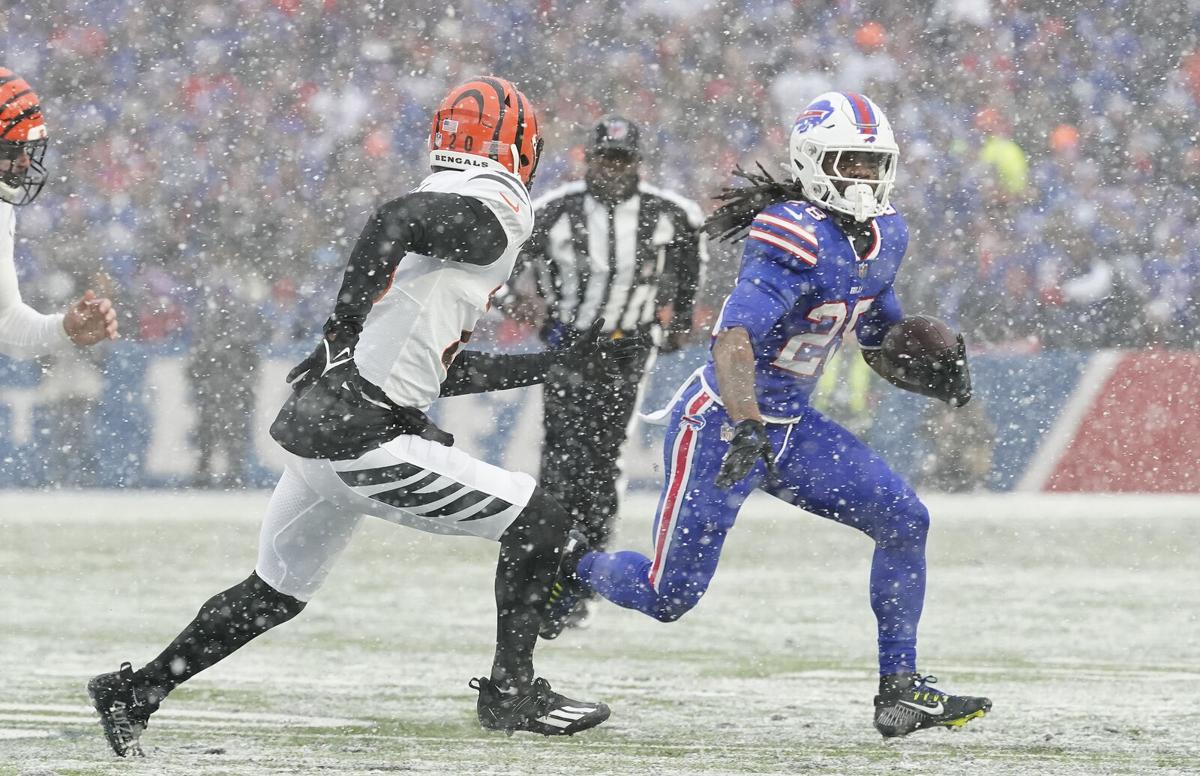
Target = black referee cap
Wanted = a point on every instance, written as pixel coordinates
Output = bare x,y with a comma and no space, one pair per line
615,133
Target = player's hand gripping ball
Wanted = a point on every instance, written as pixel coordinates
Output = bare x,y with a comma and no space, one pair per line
929,358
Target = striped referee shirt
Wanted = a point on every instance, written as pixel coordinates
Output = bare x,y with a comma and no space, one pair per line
620,261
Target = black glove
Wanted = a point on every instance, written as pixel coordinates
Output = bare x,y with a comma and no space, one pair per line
335,413
946,376
334,352
748,446
592,351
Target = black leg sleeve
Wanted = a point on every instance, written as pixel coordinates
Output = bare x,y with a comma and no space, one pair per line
224,623
529,555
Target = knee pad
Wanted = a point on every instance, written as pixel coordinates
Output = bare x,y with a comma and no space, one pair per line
907,525
916,519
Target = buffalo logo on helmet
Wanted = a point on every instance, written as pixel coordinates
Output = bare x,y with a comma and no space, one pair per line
813,116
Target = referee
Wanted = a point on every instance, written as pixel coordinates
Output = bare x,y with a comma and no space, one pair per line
614,247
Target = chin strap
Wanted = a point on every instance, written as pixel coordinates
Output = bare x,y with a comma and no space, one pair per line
516,160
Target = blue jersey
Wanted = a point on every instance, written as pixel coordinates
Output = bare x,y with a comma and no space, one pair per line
801,288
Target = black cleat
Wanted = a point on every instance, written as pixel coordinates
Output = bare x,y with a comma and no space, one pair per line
124,710
566,604
906,703
537,710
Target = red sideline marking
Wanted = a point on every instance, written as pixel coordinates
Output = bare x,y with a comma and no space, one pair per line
680,469
1139,433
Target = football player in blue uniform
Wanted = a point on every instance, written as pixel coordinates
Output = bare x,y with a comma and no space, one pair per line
821,254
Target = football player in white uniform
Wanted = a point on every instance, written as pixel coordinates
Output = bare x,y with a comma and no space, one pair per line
24,332
421,274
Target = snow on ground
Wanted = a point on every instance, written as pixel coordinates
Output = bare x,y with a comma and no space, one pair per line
1077,616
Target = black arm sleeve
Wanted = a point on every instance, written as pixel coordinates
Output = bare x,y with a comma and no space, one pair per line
683,261
447,226
476,372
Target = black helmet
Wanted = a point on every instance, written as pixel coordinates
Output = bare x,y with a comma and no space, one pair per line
615,133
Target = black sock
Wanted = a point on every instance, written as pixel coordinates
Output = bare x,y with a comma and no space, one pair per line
528,565
894,684
224,623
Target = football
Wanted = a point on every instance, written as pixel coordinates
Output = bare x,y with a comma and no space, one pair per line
918,336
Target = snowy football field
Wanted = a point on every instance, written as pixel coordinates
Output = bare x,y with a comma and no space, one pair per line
1076,615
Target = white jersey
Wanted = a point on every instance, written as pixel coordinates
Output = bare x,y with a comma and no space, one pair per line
24,332
411,335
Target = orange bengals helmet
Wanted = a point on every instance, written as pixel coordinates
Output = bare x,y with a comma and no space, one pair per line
486,122
22,140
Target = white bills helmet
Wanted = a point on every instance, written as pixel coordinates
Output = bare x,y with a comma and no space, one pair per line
833,129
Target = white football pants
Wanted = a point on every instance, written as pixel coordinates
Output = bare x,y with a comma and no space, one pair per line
318,504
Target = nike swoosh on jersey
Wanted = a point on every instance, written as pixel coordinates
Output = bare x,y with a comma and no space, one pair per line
507,201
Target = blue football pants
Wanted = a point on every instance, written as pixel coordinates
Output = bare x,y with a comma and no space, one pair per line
822,468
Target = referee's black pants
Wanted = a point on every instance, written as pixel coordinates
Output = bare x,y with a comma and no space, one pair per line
586,421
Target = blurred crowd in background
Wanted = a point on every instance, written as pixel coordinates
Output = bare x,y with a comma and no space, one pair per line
213,161
214,152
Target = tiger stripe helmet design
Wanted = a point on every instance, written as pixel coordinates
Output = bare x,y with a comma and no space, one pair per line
486,122
22,140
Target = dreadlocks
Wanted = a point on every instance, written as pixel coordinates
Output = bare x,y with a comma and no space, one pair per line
732,220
